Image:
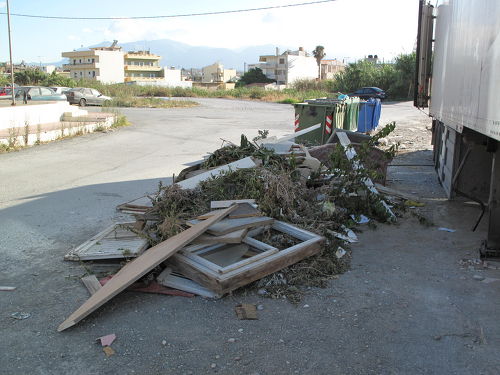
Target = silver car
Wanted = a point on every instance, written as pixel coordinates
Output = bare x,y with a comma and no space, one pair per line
85,96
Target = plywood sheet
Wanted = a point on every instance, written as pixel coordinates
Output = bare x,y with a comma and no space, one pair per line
231,225
224,204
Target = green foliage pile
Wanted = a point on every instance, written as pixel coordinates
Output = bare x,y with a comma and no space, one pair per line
322,204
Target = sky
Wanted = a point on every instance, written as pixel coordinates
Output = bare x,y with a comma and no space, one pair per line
348,29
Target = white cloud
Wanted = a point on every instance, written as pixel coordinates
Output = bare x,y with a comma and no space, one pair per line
73,37
3,4
87,30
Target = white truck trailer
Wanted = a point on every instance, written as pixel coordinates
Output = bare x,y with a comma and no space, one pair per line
458,79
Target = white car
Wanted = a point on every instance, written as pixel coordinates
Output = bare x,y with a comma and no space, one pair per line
59,90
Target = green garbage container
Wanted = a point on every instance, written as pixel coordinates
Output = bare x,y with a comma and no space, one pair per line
327,112
352,114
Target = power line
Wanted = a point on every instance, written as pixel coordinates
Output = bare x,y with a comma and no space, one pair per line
173,15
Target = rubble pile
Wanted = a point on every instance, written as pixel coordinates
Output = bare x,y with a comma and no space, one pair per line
265,215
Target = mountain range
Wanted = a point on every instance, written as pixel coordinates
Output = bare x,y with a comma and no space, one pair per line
181,55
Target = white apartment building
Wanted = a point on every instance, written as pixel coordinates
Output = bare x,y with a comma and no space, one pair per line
104,64
288,67
217,73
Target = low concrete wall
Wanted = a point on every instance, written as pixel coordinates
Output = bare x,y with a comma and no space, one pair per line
29,135
36,114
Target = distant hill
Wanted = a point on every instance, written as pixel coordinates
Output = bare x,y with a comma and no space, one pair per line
186,56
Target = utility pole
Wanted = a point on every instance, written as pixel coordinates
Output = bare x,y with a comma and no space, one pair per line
10,52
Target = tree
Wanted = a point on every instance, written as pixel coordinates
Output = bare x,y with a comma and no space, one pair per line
319,53
254,75
29,77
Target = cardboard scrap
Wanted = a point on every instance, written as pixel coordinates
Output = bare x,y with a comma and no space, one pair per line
246,311
108,350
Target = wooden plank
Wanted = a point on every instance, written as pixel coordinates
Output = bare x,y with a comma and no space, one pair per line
139,267
91,283
140,204
166,278
298,134
7,288
230,225
226,204
192,182
244,210
233,237
249,260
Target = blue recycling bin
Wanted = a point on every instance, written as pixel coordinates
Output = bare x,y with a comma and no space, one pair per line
369,115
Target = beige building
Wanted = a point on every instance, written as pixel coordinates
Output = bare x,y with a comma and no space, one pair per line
104,64
329,68
216,73
143,66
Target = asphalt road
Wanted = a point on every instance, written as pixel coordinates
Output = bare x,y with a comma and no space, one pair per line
408,306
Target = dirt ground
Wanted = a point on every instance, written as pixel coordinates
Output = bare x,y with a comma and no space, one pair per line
416,300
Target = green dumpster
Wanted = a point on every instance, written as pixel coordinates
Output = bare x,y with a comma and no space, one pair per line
352,114
327,112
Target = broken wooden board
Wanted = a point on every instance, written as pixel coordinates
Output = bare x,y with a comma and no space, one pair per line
230,225
138,205
114,242
244,210
172,280
396,193
225,204
298,134
223,283
7,288
91,283
233,237
351,153
192,182
139,267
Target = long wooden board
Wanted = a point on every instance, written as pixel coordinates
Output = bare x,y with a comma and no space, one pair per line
231,225
225,204
233,237
192,182
139,267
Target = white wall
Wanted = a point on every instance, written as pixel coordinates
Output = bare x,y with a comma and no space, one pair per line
301,67
35,114
111,66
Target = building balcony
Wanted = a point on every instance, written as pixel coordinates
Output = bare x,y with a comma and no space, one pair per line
143,68
145,56
80,66
147,79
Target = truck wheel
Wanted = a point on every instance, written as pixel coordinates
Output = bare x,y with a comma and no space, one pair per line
82,103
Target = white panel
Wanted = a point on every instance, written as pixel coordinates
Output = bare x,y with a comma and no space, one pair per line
466,69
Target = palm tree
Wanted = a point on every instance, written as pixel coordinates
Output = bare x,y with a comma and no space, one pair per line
319,53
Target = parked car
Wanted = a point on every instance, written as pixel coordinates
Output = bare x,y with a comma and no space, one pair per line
38,93
60,89
369,92
84,96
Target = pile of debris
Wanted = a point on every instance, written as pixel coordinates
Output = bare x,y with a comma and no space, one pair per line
264,214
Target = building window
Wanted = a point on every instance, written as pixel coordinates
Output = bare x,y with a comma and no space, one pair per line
282,61
80,61
74,62
93,73
76,75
